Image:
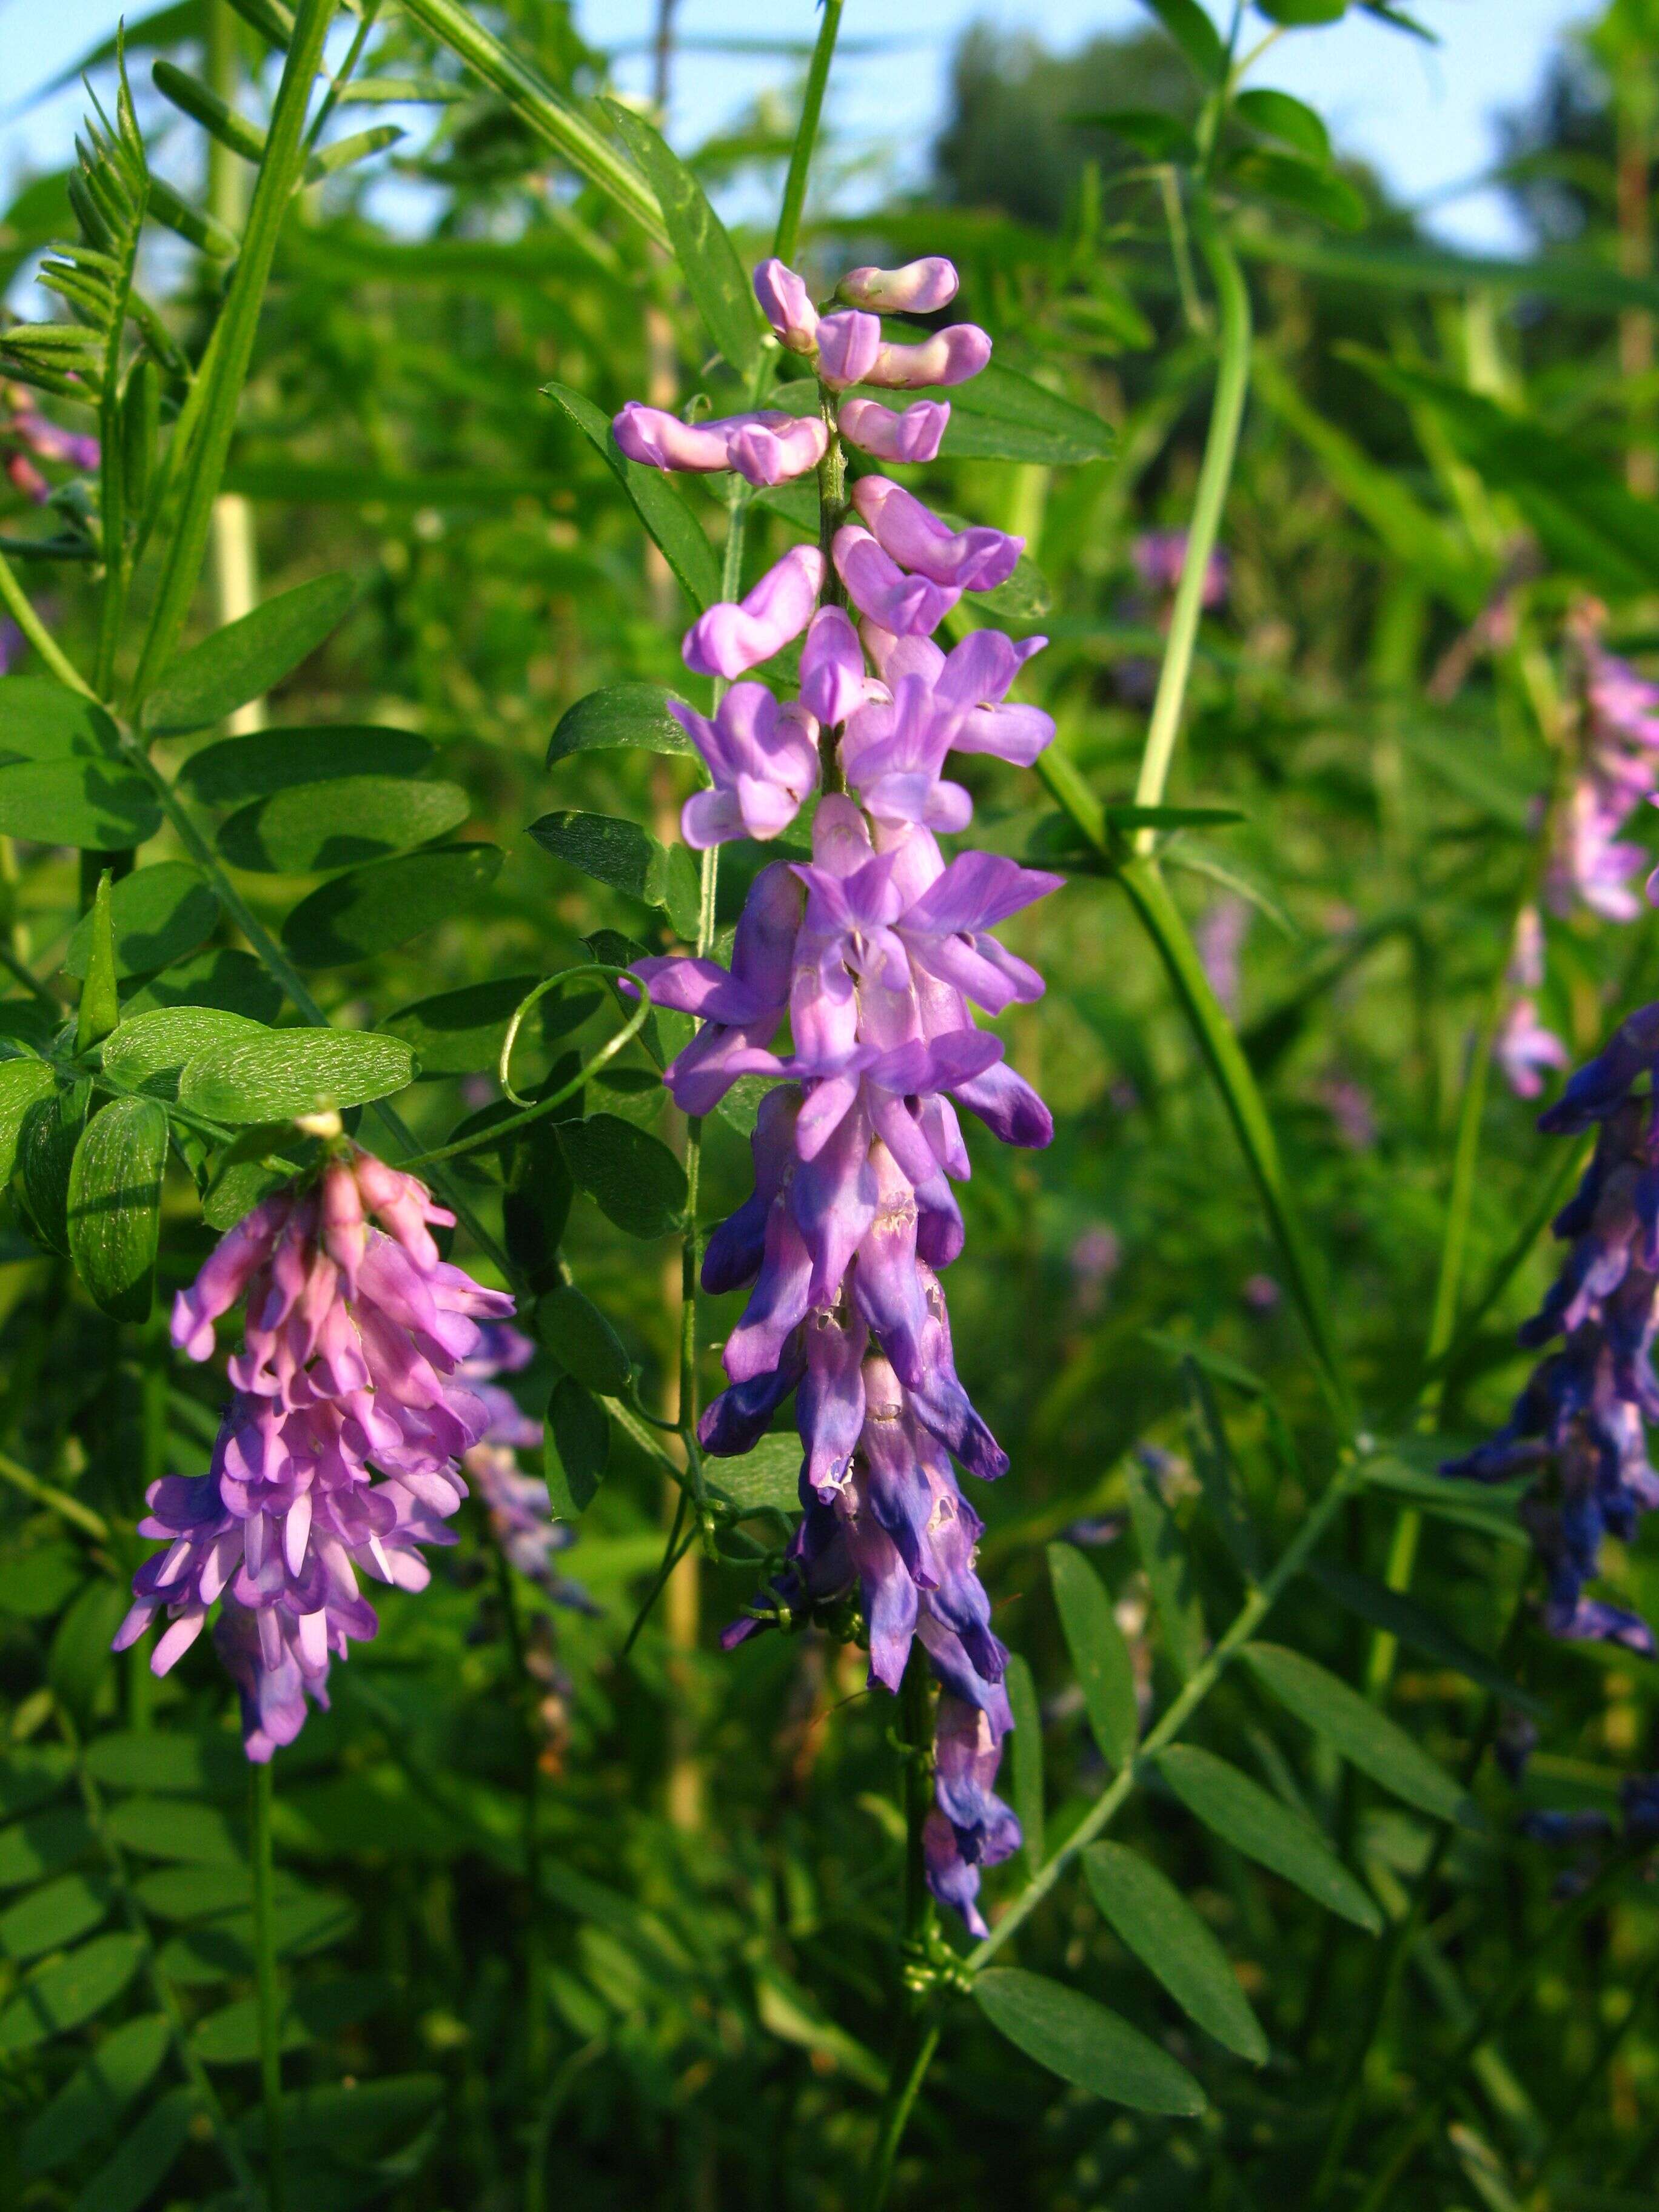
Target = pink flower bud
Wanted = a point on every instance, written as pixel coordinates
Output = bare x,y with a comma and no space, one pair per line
832,678
735,636
661,441
920,287
909,606
772,447
767,448
975,560
950,357
914,435
784,304
27,479
849,345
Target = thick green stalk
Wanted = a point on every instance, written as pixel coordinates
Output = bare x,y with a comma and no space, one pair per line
268,1993
17,607
787,234
1249,1617
1215,474
918,2027
233,352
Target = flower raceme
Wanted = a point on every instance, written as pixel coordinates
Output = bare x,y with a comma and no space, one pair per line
339,1453
1579,1424
871,955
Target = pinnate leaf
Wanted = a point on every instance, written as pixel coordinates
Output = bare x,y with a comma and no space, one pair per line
371,910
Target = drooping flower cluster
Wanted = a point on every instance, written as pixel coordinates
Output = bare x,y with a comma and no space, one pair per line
519,1506
873,953
1588,864
338,1454
1579,1422
28,436
1618,768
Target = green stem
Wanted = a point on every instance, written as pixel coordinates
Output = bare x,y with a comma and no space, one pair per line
917,2033
1563,1919
1227,413
268,1993
1219,1043
1247,1619
18,607
787,237
55,1501
234,334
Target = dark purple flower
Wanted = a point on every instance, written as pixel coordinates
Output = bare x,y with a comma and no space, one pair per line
1577,1427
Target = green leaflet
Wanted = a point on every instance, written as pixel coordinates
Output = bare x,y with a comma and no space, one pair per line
115,1205
275,1076
1151,1917
1083,2043
1354,1727
158,914
243,660
714,276
1098,1652
1242,1812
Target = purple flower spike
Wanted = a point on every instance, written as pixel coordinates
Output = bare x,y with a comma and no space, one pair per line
872,955
914,435
961,560
766,448
920,288
788,306
763,758
1577,1427
949,356
735,636
907,605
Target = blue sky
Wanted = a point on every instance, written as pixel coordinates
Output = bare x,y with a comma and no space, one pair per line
1423,116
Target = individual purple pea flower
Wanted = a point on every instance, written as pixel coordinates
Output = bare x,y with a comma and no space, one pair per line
1220,940
765,448
976,560
741,1008
892,752
734,636
338,1454
920,287
1159,556
1524,1049
913,433
764,759
970,685
909,606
